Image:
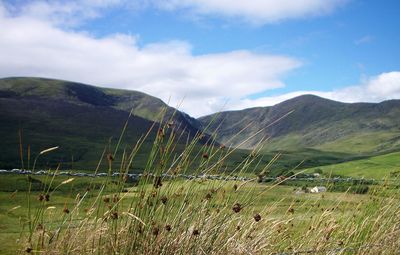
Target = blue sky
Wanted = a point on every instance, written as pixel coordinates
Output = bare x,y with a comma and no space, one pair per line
212,54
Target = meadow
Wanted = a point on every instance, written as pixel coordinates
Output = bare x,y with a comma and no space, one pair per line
53,214
195,217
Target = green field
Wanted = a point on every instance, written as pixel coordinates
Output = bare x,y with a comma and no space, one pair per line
290,221
378,167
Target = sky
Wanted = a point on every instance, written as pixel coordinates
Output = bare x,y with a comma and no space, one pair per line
204,56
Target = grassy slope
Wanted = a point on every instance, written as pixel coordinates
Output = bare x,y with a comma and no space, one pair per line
375,167
314,122
83,120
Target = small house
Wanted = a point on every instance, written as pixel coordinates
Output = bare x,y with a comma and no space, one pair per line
318,189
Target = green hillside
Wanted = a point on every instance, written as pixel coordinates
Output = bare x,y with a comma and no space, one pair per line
312,122
86,121
83,120
383,166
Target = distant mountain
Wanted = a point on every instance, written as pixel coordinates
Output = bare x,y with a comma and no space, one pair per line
79,118
312,122
86,120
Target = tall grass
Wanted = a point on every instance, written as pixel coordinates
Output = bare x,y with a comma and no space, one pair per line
174,215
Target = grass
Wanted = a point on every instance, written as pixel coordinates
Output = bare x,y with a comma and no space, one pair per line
289,222
378,167
157,215
371,142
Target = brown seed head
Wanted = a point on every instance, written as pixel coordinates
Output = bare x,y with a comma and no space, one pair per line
164,200
110,157
66,210
47,197
237,207
237,227
208,196
106,200
257,217
157,182
235,187
114,215
205,155
155,231
28,250
291,210
168,227
41,197
196,232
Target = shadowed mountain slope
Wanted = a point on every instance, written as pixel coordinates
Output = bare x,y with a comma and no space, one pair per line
81,119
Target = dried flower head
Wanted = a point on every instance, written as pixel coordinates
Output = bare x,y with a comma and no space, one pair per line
205,155
237,227
235,187
237,207
39,227
114,215
106,200
157,182
47,197
41,197
155,231
291,210
196,232
28,250
257,217
65,210
110,157
168,227
208,196
164,200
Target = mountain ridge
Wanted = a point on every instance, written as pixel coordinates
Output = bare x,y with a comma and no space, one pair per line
86,119
81,118
305,114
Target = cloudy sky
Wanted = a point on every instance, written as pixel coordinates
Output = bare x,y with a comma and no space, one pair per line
212,54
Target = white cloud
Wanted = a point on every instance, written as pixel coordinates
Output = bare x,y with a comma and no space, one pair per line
30,46
384,86
254,11
363,40
35,45
74,12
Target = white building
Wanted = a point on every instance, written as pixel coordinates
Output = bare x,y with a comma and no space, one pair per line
318,189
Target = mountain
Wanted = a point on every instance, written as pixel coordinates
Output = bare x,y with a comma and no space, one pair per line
86,120
81,119
309,121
